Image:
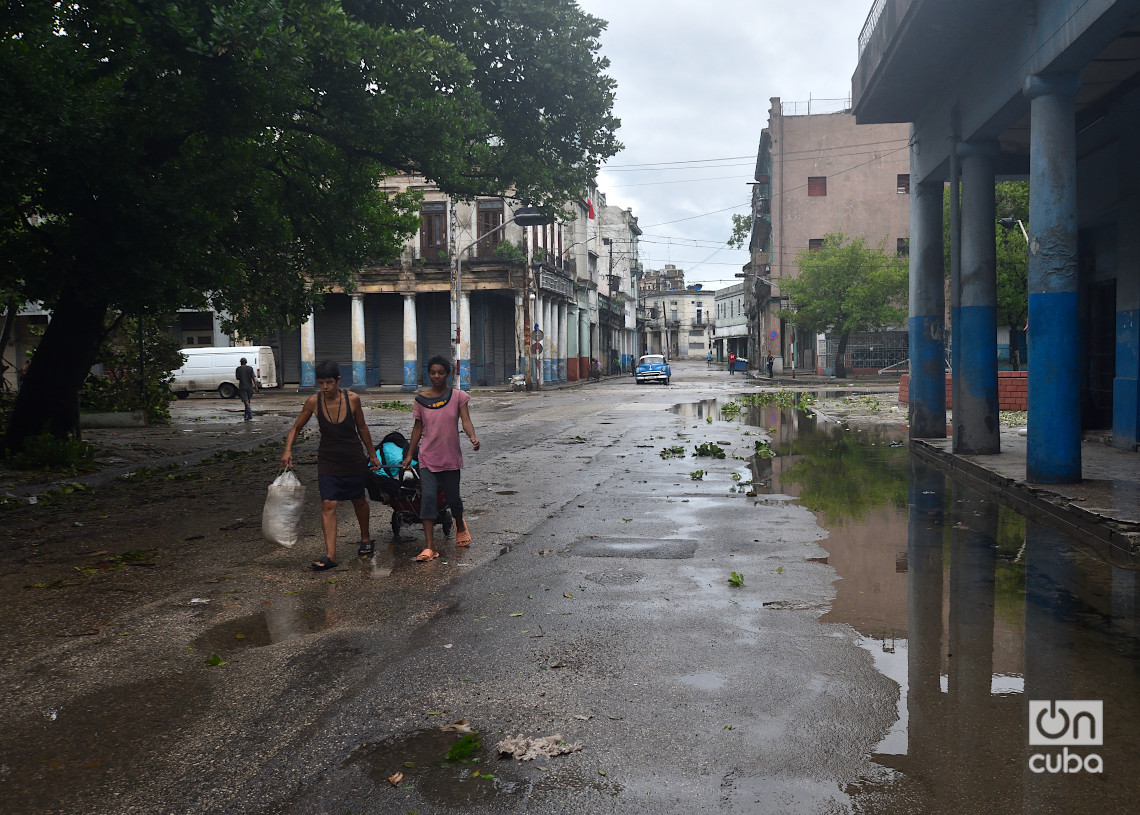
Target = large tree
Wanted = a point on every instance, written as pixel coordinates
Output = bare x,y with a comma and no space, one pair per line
846,286
231,153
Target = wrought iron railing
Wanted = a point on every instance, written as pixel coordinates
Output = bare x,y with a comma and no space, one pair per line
869,26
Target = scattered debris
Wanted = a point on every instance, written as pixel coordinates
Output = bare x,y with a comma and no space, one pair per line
459,726
197,600
395,778
525,748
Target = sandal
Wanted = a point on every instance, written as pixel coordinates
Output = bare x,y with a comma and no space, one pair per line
365,549
462,536
323,564
426,555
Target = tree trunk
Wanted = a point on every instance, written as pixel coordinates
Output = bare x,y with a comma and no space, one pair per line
840,352
49,398
9,321
1014,348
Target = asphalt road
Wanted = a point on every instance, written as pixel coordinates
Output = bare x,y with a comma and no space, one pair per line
595,604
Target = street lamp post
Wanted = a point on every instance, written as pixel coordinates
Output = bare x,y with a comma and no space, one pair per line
526,216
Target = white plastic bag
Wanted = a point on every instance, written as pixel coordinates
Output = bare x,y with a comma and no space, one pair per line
281,518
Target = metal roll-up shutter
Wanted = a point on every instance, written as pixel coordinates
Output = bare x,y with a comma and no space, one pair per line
290,356
384,316
480,340
333,330
433,319
501,327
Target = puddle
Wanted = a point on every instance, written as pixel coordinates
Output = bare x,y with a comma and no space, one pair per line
285,619
974,611
421,757
703,681
678,549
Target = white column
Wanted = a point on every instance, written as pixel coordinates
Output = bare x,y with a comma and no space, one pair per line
309,353
358,353
411,345
465,342
562,314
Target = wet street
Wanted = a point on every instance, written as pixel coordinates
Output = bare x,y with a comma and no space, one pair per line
718,599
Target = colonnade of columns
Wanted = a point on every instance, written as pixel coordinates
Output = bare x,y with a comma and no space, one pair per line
1053,453
565,350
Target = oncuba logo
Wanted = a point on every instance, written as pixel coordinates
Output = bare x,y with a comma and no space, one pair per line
1066,723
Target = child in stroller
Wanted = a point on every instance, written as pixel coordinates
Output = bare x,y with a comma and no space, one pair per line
402,490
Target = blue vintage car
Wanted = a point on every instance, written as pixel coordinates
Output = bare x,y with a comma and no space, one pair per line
652,368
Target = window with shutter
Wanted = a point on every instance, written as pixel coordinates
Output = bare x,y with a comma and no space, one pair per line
902,184
817,185
490,214
902,247
815,244
433,229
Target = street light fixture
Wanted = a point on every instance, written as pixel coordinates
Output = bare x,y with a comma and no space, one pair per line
1008,222
526,216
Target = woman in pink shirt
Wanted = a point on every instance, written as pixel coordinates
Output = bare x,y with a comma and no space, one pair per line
438,411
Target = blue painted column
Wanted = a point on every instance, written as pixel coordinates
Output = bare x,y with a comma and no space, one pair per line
1053,454
927,401
309,354
1126,383
411,345
976,425
359,366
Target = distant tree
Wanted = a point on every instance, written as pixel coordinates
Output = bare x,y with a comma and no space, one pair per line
231,153
741,231
1013,264
846,286
1011,199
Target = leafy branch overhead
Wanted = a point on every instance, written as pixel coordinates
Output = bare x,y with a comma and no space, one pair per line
233,153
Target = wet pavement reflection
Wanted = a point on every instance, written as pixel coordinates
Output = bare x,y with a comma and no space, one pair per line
975,611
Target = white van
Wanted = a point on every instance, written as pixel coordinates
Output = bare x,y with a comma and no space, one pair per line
212,369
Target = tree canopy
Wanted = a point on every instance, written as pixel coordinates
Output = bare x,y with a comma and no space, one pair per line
231,153
847,286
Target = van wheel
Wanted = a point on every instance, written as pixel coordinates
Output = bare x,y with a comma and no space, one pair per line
227,391
182,394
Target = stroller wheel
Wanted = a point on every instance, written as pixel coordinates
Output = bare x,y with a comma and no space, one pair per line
447,522
395,525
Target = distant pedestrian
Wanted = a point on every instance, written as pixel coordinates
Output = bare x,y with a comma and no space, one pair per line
346,446
732,363
771,364
247,383
709,359
438,412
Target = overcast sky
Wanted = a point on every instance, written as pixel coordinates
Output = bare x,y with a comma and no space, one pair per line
694,81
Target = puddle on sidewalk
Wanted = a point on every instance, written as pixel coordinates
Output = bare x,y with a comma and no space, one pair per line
287,618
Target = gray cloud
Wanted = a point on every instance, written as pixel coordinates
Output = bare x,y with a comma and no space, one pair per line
693,83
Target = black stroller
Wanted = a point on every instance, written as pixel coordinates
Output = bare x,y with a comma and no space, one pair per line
402,491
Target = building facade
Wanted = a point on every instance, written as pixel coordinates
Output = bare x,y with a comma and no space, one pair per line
680,322
510,303
1048,92
818,174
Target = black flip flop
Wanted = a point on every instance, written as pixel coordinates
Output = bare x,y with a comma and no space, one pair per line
365,549
323,564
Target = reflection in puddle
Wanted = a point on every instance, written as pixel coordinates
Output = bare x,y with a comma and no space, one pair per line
974,611
285,619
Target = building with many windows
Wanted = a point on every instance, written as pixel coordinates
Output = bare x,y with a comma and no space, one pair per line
817,174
